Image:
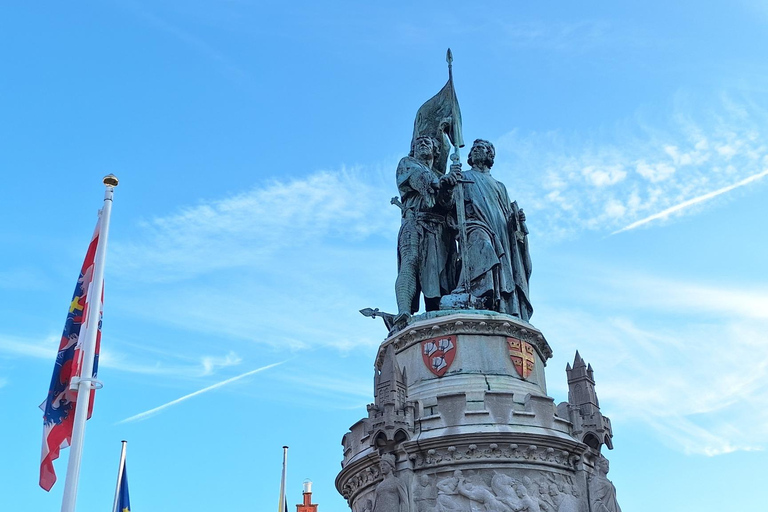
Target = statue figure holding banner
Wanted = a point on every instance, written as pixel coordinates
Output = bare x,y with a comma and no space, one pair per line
426,246
426,251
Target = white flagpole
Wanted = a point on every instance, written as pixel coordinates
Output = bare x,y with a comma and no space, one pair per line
119,476
85,383
281,503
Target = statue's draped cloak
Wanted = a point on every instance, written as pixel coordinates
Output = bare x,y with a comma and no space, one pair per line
496,259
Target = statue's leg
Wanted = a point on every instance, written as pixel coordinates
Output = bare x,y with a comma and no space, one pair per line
406,285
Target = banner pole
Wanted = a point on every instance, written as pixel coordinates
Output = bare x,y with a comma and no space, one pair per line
85,383
119,475
282,506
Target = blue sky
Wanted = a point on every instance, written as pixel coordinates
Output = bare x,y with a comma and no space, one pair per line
256,145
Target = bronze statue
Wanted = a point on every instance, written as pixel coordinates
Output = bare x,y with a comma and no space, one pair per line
495,262
441,221
426,254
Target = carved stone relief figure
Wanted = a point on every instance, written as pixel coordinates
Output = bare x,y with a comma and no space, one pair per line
391,494
525,502
602,493
448,498
502,486
549,497
569,500
478,492
365,505
424,494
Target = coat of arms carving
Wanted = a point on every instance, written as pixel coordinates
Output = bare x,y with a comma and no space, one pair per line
439,353
522,355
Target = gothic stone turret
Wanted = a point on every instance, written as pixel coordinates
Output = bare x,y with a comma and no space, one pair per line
583,408
390,417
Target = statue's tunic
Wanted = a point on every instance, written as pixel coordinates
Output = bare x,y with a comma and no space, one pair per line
424,242
496,259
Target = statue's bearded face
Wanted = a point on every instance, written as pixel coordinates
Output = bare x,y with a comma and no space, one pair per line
423,147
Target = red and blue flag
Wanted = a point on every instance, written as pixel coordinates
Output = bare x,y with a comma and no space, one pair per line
59,406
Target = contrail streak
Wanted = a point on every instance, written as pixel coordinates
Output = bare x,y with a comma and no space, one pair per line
151,412
690,202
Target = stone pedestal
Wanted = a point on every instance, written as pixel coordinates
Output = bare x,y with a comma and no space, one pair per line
462,422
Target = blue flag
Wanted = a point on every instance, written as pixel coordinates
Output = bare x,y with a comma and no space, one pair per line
123,500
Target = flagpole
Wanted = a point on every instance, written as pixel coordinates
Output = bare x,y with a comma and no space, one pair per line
85,383
281,505
119,475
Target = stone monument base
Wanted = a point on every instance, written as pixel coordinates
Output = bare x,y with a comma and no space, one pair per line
462,421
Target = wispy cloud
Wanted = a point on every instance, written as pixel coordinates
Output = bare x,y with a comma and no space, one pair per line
716,401
691,202
321,247
45,348
169,367
151,412
41,348
246,229
642,173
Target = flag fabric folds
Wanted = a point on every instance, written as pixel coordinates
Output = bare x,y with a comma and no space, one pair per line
123,499
437,116
59,406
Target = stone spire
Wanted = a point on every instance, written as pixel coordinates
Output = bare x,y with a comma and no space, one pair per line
389,384
583,408
390,417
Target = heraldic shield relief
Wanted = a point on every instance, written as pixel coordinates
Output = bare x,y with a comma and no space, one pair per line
438,353
521,353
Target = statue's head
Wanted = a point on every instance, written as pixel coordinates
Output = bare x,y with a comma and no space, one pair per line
425,147
387,463
553,490
521,491
604,465
482,153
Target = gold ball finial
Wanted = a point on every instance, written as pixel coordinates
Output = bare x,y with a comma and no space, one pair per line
110,180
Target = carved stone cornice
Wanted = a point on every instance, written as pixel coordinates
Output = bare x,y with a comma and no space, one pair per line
358,475
468,323
489,448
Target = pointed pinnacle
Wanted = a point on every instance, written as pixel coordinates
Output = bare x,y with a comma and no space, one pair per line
449,57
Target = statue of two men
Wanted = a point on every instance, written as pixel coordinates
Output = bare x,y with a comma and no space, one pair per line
490,267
